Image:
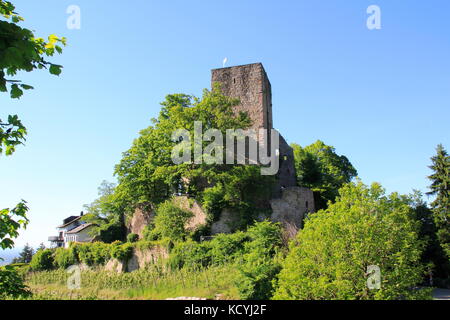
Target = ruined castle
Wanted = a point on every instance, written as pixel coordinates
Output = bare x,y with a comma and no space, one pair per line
251,85
290,203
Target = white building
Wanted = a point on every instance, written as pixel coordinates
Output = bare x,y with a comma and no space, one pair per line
72,230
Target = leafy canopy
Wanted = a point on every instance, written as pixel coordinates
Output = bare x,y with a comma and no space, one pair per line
11,220
364,227
440,188
20,50
170,222
321,169
106,215
147,174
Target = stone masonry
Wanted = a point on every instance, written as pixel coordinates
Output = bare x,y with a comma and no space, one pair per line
251,85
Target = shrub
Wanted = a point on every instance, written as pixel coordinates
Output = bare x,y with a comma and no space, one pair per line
132,237
241,248
65,258
213,200
96,253
256,275
364,227
112,231
42,260
11,284
190,254
260,264
121,252
226,247
170,222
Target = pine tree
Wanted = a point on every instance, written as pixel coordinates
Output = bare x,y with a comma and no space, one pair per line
41,247
440,188
26,255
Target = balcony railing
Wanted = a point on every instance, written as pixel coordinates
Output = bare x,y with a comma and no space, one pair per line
55,239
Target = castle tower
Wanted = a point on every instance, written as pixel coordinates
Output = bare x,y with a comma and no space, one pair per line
251,85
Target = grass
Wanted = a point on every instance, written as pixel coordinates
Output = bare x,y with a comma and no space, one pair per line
150,284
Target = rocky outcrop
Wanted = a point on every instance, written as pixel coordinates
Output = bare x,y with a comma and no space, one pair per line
143,215
115,265
144,257
199,218
225,223
139,259
291,208
294,204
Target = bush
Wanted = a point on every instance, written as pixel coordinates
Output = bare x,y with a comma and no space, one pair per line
251,251
132,237
256,276
170,222
190,254
226,248
42,260
121,252
332,253
260,264
112,231
11,284
65,258
96,253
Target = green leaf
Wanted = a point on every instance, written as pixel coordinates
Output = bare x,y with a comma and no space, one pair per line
55,69
26,87
16,92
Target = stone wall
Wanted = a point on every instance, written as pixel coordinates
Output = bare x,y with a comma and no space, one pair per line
293,206
286,176
251,85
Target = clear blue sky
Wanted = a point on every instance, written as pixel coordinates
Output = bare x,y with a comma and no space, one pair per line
381,97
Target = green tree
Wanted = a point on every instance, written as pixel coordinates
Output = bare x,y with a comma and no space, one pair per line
147,174
260,263
11,220
170,222
440,188
25,255
321,169
433,257
364,227
42,260
20,50
106,214
41,247
11,284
